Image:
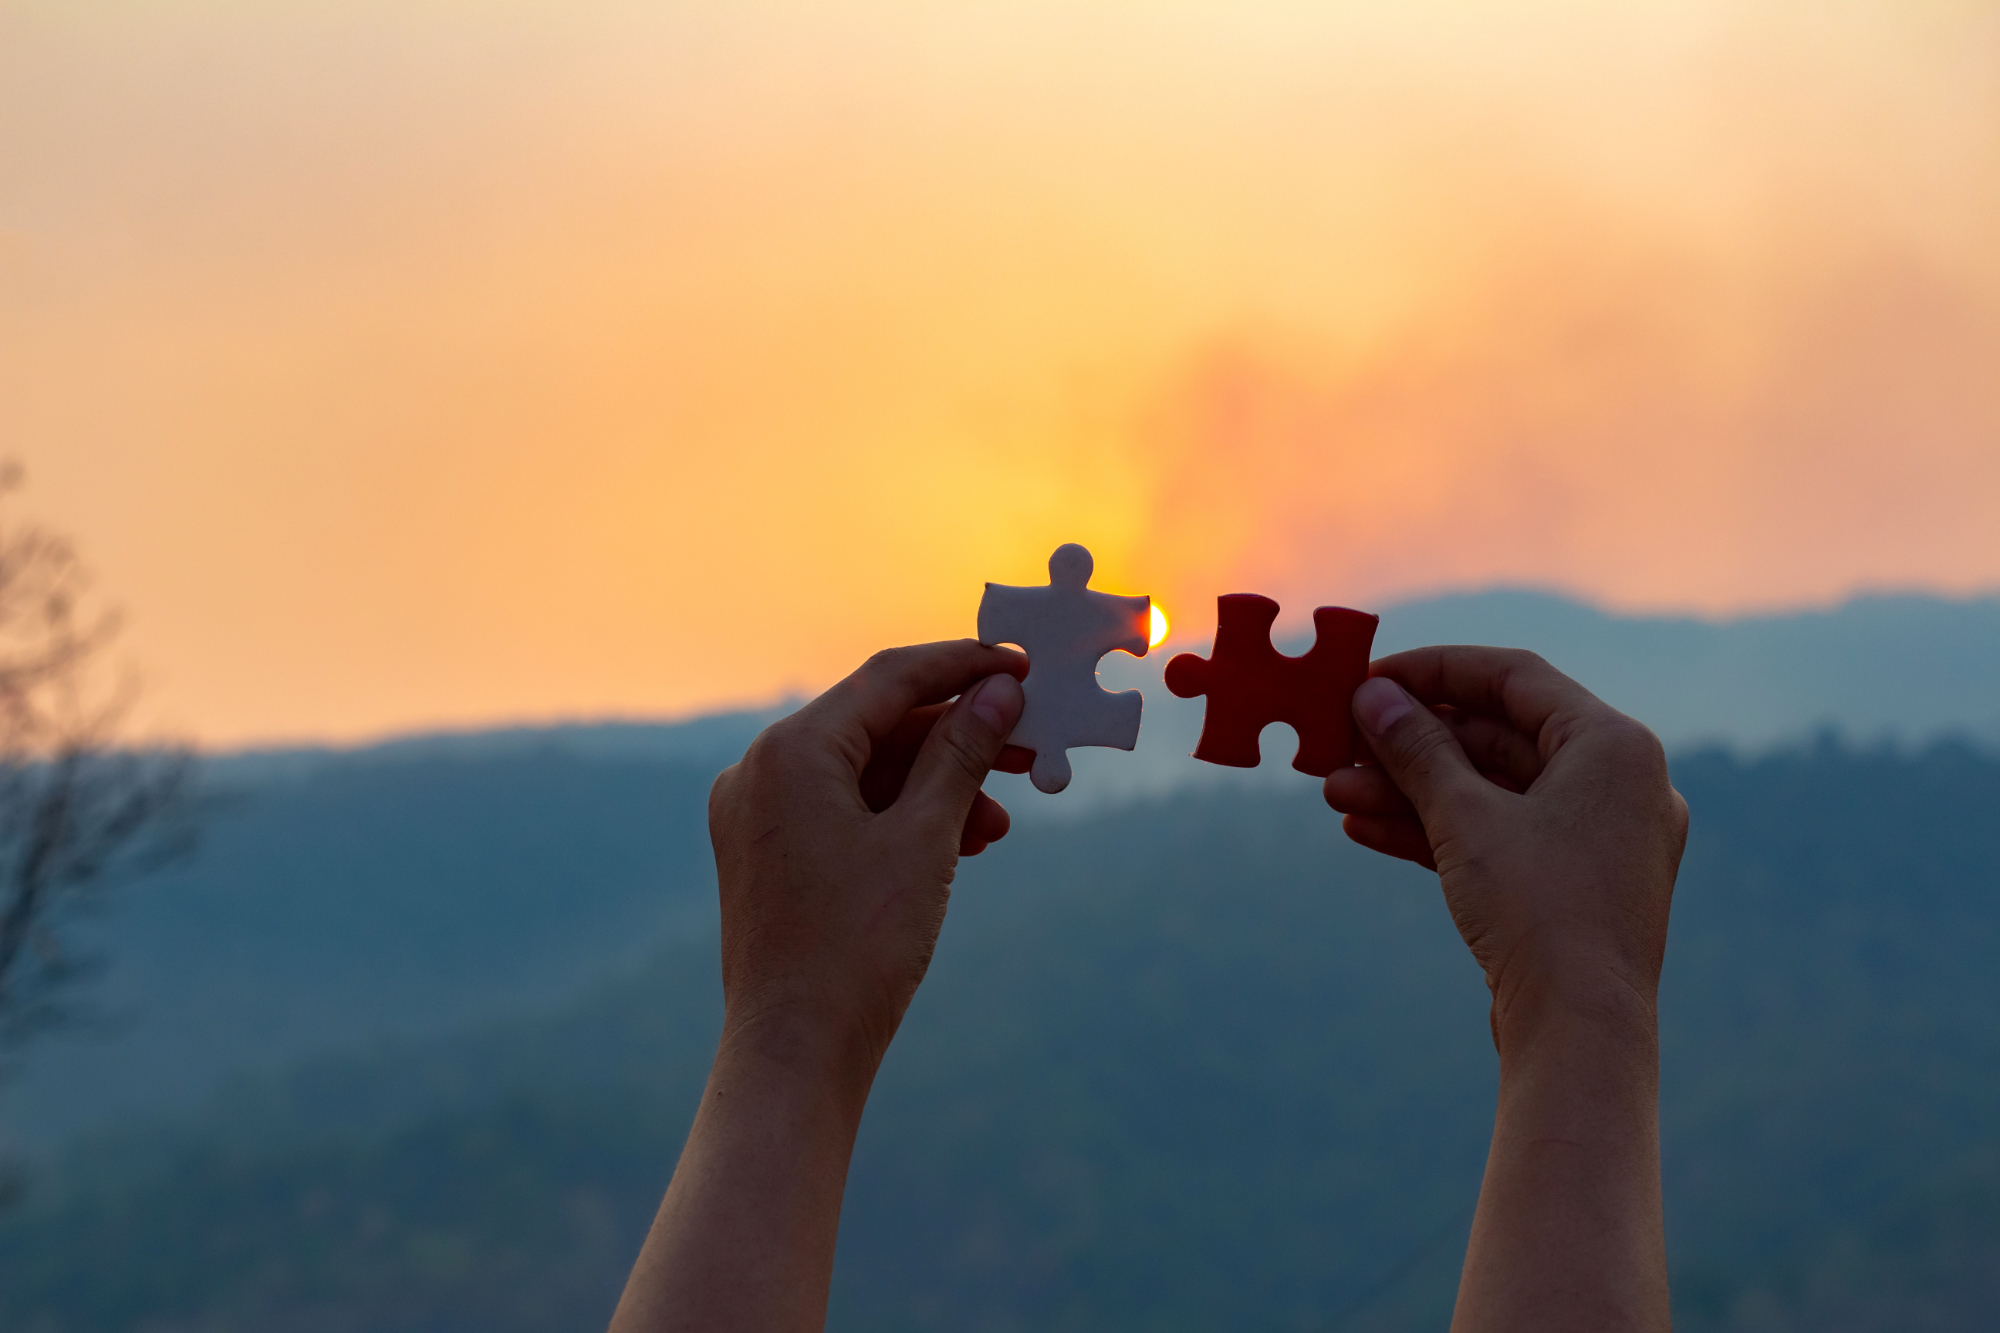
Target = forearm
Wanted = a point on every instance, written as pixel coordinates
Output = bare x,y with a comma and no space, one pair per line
745,1237
1568,1233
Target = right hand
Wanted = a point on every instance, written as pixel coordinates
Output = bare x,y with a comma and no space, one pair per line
1547,814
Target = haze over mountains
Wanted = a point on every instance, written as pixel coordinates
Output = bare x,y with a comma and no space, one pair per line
1904,668
414,888
1900,666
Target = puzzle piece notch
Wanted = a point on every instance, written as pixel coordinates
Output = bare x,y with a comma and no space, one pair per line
1064,627
1250,684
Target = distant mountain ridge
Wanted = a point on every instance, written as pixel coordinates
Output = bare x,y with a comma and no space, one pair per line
1907,667
1903,667
707,738
414,887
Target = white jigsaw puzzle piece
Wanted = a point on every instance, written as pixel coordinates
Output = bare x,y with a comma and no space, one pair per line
1064,628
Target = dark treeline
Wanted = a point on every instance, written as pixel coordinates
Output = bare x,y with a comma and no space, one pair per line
1195,1064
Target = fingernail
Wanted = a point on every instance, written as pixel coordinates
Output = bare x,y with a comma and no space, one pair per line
990,704
1380,704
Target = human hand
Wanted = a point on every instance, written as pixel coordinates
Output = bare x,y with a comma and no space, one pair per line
836,837
1556,834
1547,814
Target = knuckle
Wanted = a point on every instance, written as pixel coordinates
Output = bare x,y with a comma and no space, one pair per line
770,747
1633,741
966,753
1424,747
725,799
888,663
1441,778
780,748
1508,664
1526,665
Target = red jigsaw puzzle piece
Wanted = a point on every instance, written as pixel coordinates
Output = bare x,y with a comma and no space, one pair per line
1250,684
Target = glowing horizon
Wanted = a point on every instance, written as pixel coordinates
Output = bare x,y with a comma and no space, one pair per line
418,366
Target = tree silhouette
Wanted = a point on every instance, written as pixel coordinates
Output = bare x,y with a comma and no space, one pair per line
80,808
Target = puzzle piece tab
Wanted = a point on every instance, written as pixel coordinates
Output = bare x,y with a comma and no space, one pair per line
1064,628
1250,684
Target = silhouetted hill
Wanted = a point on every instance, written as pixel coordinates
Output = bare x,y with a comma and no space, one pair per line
374,899
1192,1064
1905,667
1909,668
412,888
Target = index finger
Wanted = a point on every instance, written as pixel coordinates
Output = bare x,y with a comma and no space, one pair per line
1509,683
863,710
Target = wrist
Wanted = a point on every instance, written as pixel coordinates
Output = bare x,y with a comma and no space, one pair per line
1596,1009
802,1044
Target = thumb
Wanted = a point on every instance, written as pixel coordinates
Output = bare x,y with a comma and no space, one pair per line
959,752
1418,752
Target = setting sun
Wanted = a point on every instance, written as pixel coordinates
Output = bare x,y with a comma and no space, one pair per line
1159,627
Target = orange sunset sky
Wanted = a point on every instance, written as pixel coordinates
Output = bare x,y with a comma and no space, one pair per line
420,363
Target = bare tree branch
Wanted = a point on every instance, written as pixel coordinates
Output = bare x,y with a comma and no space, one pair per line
79,809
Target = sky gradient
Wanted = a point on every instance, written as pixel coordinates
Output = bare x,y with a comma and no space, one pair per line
416,364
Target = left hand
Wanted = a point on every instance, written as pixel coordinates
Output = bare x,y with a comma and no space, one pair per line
836,837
